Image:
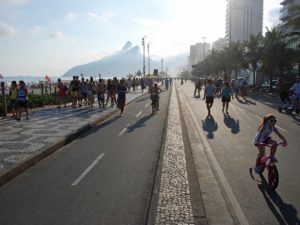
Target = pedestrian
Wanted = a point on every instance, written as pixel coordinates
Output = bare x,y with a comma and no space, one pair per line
22,100
61,93
101,93
142,84
121,90
209,94
13,91
226,93
262,138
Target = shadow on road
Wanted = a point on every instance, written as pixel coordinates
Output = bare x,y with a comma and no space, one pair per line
231,123
283,212
210,126
140,123
100,126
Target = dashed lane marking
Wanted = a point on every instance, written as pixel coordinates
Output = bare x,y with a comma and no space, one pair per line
88,169
124,130
138,114
146,105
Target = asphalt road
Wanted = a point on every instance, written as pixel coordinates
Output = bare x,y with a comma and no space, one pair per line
229,139
104,177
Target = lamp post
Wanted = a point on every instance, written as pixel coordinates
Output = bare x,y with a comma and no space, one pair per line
143,43
148,48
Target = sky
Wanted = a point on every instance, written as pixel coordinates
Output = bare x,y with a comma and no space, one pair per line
39,37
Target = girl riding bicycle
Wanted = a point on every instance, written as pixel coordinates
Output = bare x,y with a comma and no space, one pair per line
262,138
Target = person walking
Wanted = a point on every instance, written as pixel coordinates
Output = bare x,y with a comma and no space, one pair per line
209,94
121,90
13,91
226,93
61,93
22,100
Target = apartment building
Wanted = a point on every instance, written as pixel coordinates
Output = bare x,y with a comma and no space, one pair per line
243,17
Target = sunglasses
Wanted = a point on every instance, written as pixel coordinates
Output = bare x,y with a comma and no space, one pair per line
273,120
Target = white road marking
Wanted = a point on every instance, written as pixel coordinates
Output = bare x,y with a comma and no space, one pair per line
214,163
139,113
124,130
146,105
87,170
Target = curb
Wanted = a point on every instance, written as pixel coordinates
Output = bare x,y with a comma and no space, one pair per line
14,171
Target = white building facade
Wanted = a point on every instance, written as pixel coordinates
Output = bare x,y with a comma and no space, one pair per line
243,17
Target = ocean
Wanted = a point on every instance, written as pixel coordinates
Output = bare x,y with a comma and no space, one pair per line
31,79
34,80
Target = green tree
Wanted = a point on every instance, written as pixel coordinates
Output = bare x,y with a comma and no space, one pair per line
253,53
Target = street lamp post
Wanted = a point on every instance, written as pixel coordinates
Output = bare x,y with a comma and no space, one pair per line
143,43
148,48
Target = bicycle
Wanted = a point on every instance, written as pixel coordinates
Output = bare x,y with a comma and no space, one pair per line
154,103
269,162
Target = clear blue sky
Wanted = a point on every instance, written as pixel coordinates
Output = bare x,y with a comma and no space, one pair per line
39,37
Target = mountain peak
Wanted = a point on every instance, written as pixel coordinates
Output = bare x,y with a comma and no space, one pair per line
127,46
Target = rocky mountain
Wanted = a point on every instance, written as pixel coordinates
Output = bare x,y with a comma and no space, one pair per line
128,60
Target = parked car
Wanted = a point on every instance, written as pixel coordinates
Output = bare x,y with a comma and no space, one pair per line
265,86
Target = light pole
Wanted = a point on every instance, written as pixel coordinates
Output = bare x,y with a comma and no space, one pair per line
143,43
204,38
148,48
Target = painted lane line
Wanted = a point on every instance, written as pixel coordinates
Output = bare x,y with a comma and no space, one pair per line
124,130
146,105
217,168
87,170
139,113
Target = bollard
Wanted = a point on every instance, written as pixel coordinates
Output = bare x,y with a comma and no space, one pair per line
42,92
4,99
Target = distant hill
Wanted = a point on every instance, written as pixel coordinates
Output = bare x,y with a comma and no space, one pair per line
128,60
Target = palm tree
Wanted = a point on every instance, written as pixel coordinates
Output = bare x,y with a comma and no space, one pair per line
274,51
253,53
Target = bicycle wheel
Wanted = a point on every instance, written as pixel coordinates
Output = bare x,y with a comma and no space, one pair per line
273,177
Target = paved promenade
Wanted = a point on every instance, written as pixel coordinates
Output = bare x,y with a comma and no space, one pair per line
25,142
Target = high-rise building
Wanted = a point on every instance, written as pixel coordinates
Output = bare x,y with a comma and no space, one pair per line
286,14
243,17
198,52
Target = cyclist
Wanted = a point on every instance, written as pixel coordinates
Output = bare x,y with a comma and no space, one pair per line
283,91
262,138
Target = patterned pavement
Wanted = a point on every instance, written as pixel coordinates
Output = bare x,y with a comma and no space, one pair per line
21,141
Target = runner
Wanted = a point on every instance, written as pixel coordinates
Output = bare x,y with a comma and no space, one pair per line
209,94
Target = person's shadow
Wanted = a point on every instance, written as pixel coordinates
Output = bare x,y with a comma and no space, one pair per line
210,126
287,213
231,123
